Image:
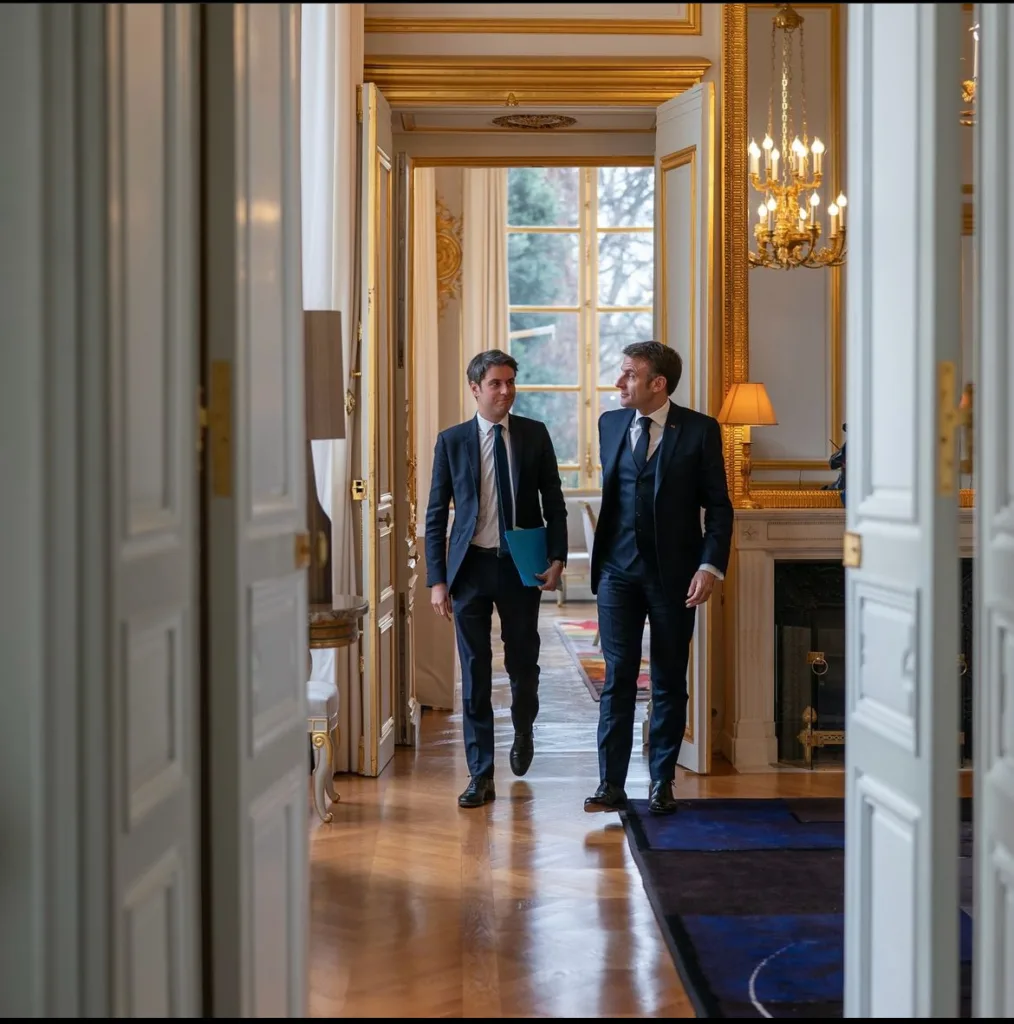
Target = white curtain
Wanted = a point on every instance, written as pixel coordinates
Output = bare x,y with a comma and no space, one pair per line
331,67
484,291
425,328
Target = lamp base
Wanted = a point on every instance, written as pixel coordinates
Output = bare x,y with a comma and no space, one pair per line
749,503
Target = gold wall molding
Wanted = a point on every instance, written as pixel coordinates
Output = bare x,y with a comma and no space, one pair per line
736,240
411,81
449,255
689,25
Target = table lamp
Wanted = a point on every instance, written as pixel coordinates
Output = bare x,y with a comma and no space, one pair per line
747,405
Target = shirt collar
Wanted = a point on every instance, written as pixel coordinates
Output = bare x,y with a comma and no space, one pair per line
659,416
485,426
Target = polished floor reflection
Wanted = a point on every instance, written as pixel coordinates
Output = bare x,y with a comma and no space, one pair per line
527,907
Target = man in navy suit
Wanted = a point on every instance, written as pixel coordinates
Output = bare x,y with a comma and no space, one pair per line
661,465
494,467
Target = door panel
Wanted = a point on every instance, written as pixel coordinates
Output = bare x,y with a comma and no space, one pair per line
684,246
257,547
407,710
902,586
378,362
152,275
994,563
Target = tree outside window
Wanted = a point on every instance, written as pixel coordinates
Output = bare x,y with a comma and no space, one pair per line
580,254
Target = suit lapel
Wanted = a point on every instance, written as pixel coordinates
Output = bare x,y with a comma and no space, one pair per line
667,445
472,447
623,435
515,432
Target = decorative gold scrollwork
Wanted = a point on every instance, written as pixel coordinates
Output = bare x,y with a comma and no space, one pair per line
449,255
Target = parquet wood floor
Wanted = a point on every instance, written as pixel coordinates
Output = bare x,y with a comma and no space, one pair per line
528,907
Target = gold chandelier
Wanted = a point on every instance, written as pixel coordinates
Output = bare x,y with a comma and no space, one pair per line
788,228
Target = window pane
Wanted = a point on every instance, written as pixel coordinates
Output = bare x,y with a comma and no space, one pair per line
559,411
545,346
608,400
543,269
616,331
626,197
543,197
626,269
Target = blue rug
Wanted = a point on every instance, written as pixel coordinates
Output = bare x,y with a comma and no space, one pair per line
750,897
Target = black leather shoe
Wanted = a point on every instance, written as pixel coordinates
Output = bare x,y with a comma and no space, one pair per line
661,799
479,791
606,798
522,753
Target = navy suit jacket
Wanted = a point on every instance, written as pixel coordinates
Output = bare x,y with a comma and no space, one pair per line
456,473
689,476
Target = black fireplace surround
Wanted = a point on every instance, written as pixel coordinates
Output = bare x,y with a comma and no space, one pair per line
810,663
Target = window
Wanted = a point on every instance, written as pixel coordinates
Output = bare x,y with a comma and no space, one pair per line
580,259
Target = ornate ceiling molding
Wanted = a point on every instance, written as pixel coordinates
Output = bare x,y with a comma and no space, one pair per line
688,25
409,81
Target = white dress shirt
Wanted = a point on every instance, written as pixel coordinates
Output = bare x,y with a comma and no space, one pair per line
487,526
658,421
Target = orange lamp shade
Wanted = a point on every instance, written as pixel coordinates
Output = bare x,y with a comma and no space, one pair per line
747,405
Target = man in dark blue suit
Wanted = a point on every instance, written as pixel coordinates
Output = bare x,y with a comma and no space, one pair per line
494,467
661,465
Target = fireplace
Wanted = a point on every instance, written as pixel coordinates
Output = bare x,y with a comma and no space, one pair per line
809,647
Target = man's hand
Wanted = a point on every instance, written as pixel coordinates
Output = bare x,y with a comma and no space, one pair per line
701,587
440,601
551,577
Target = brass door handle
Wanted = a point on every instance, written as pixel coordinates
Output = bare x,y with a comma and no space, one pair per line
323,547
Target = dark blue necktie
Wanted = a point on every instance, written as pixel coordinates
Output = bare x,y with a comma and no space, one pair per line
504,496
641,448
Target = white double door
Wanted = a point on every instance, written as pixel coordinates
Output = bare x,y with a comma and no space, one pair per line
157,164
903,615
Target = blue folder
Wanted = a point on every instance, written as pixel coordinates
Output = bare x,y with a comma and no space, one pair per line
528,549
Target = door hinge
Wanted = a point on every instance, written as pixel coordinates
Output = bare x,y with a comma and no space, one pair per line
852,550
220,428
950,416
359,104
358,490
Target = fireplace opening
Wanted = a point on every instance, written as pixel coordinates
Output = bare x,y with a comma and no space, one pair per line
810,663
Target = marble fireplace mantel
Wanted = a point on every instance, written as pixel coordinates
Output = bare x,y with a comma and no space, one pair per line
762,537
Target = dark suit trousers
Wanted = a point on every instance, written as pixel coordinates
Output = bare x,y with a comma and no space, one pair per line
625,600
486,580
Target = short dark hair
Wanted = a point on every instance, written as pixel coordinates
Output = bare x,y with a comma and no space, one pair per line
479,365
662,361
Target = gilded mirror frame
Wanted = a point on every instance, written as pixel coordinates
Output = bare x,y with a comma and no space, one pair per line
735,335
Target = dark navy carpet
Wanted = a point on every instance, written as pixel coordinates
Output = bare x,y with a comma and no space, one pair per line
750,897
